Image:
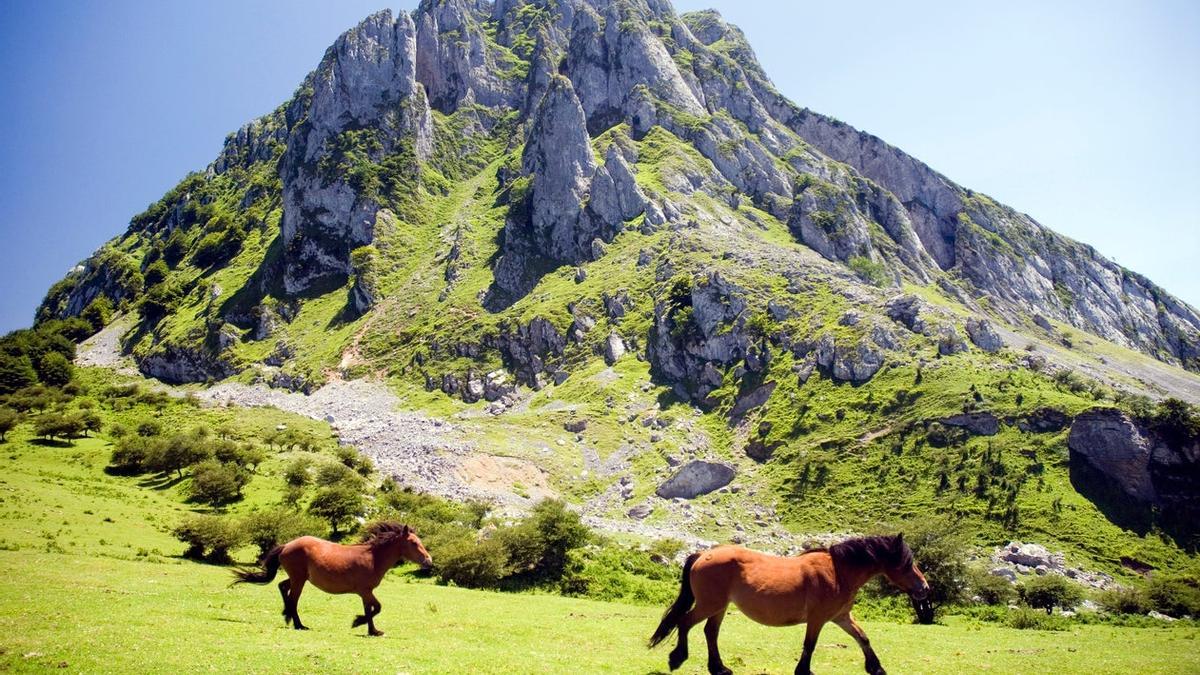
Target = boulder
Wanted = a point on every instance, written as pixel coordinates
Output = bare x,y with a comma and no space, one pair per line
978,423
984,335
696,478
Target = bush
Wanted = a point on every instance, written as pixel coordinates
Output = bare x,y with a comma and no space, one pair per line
208,537
179,452
297,472
16,372
337,474
991,589
1174,596
1120,600
59,425
216,484
134,455
472,564
338,505
54,369
539,545
268,528
1049,591
1027,619
8,420
149,428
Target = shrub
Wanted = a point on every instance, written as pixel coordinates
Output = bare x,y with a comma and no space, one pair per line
540,544
336,474
991,589
59,425
1177,422
8,420
1120,600
54,369
218,247
1174,596
1026,619
216,484
208,537
98,313
472,564
940,551
297,473
268,528
338,505
179,452
1049,591
16,372
149,428
134,455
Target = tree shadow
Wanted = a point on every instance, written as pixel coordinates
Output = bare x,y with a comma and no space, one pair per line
52,443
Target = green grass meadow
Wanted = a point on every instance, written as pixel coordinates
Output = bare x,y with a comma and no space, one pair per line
90,581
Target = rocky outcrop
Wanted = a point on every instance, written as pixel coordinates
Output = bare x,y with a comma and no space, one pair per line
454,60
571,205
696,478
857,363
1044,421
176,364
984,335
1139,475
978,423
365,100
697,333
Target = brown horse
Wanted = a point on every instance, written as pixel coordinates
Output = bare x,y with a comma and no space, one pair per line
816,587
335,568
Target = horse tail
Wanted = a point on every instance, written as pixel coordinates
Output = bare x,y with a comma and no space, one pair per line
269,566
683,603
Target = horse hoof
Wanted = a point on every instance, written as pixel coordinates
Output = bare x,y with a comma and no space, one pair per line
358,621
299,627
375,633
674,660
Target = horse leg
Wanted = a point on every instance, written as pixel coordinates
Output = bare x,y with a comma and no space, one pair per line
810,643
712,629
848,624
287,605
371,608
294,590
703,609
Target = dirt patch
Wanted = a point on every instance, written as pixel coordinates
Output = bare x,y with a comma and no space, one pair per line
504,475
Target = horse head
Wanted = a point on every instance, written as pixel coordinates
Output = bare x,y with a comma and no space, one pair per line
402,541
902,570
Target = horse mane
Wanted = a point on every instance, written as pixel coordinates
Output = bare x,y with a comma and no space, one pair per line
890,552
384,533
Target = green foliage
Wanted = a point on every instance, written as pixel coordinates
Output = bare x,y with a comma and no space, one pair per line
16,372
267,528
1049,591
98,313
473,564
338,504
940,550
217,484
209,538
1177,422
991,589
8,420
874,273
1027,619
1124,600
1174,594
53,425
298,472
54,369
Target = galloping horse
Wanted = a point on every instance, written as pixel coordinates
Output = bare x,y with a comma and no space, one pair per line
335,568
815,587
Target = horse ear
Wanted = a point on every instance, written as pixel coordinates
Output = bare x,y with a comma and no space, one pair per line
900,538
404,531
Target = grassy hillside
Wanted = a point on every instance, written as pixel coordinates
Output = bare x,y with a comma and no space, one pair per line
93,582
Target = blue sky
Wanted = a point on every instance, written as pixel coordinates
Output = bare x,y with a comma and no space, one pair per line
1086,115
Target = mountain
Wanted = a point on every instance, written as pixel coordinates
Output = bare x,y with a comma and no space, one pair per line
603,214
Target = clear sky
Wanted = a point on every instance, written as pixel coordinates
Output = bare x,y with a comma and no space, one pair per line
1086,115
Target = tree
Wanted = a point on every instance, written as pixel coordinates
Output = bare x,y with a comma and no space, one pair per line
1049,591
54,369
337,504
8,420
16,372
271,527
213,534
180,452
216,484
91,421
58,425
98,313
